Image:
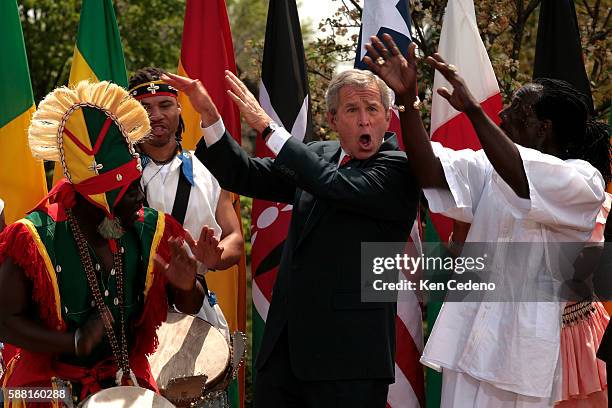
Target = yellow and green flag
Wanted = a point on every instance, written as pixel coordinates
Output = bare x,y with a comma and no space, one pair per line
98,55
22,178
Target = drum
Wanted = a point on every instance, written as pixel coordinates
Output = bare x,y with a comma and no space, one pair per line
193,359
126,397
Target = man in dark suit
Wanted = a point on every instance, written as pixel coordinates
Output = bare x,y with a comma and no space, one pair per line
322,346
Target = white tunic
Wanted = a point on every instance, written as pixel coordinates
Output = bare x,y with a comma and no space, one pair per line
512,345
160,182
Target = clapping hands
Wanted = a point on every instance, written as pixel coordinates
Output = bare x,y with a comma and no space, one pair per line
207,249
182,268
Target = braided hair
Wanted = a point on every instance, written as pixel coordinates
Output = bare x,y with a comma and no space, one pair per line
149,74
578,137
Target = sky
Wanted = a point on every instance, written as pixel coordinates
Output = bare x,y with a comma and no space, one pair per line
317,10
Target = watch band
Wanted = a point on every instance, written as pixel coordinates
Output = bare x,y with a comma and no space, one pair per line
272,126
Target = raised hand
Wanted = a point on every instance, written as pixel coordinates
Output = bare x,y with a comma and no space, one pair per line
207,250
461,98
181,270
253,113
197,94
386,61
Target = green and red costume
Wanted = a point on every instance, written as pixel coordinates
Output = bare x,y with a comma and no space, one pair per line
43,245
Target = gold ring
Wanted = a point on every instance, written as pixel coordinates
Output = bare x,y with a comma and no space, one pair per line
416,105
452,67
380,61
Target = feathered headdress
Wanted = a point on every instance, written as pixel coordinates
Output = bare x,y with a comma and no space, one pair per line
91,130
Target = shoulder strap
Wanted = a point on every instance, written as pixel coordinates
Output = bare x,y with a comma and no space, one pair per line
181,200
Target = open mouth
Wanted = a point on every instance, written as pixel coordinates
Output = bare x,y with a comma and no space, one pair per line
158,130
365,141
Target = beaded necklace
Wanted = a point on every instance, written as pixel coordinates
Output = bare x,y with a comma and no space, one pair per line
120,352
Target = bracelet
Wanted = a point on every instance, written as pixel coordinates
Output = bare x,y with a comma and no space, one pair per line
77,337
416,105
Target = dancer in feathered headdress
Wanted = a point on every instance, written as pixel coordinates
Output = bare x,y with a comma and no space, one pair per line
82,285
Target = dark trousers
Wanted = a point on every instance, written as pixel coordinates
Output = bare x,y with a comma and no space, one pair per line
277,387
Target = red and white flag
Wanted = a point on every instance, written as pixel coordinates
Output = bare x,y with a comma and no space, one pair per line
461,45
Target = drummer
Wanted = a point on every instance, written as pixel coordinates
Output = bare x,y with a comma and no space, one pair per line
84,278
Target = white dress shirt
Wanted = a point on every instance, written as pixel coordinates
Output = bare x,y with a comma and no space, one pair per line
511,345
275,141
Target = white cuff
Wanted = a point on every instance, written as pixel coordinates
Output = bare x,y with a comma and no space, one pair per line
213,133
277,140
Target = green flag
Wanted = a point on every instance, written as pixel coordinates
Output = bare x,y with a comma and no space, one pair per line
98,55
22,179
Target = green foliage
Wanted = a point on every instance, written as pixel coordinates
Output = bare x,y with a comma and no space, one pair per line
248,23
246,205
151,32
49,30
508,30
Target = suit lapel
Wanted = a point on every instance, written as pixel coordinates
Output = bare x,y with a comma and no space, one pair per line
331,153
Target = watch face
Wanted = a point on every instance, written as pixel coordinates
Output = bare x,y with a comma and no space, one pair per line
273,126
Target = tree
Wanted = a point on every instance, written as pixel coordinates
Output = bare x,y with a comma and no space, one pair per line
508,30
49,30
150,31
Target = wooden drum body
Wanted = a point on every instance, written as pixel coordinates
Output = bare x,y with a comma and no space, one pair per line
193,358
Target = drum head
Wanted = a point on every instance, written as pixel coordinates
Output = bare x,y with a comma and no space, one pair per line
189,348
126,397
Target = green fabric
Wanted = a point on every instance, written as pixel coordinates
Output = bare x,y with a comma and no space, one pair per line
433,379
233,393
258,325
114,149
99,42
15,88
75,295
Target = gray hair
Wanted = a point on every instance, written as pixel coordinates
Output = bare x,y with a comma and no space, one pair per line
359,79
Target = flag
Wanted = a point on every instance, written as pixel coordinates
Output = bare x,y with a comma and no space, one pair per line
206,52
22,178
377,18
408,390
98,55
558,52
460,44
283,93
